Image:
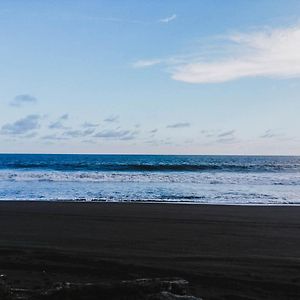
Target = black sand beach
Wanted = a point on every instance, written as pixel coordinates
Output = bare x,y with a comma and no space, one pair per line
225,252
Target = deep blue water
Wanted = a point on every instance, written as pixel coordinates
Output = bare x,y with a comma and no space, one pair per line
200,179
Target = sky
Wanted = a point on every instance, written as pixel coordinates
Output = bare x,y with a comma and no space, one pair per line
150,76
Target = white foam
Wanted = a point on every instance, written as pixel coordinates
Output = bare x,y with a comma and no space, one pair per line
213,178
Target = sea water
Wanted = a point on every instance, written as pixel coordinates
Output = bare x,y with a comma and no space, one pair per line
154,178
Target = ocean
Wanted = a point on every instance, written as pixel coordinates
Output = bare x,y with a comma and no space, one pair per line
263,180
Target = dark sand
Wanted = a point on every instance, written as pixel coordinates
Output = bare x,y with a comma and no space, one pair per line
226,252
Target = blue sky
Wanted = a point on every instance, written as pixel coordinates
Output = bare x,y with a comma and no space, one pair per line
185,77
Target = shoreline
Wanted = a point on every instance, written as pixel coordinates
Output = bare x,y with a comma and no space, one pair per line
154,202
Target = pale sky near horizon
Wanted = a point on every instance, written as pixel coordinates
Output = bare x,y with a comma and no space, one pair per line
150,76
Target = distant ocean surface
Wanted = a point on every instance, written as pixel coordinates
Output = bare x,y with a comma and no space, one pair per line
154,178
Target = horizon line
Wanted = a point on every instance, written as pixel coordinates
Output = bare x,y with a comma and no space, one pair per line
145,154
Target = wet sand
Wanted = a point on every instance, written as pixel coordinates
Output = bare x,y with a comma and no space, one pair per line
226,252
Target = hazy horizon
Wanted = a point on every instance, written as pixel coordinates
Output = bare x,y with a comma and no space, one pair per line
143,154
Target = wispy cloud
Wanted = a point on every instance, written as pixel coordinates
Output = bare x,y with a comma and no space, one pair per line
30,135
117,134
113,19
53,137
69,134
59,124
23,99
153,130
179,125
64,117
271,134
89,125
210,133
146,63
267,53
159,142
226,140
112,119
226,133
78,133
168,19
22,126
218,136
271,53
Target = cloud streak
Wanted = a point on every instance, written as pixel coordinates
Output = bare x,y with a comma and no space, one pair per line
271,53
226,133
217,136
145,63
23,99
117,134
53,137
89,125
179,125
59,123
112,19
271,134
21,126
168,19
112,119
78,133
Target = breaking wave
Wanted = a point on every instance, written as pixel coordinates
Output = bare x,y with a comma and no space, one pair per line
153,167
148,177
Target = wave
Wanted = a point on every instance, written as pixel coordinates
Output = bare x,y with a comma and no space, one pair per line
219,178
225,167
169,199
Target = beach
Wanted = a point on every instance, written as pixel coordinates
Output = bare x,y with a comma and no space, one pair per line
150,150
225,252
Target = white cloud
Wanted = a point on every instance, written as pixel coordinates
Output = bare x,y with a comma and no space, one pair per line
168,19
268,53
146,63
113,19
